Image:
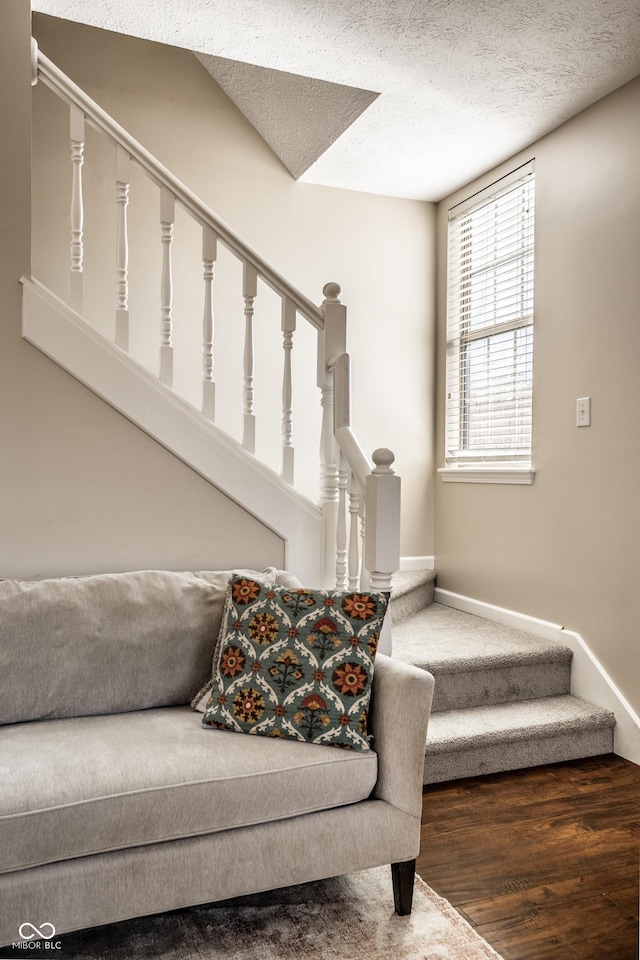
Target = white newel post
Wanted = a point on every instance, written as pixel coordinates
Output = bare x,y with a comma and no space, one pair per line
288,326
76,274
209,255
382,556
167,219
249,290
123,164
331,344
382,536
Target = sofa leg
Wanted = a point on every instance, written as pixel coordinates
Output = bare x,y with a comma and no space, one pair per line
403,875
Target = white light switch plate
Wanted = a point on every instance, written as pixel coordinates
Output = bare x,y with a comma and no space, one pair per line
583,412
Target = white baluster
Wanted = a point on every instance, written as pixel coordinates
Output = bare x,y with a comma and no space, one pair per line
123,164
167,220
250,289
288,326
354,541
365,579
76,275
209,253
341,527
328,483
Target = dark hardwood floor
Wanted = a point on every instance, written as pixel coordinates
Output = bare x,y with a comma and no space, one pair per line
544,863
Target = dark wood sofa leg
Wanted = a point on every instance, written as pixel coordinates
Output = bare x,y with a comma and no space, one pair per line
403,875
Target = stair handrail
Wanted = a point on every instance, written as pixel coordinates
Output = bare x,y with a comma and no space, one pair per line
347,440
360,504
64,87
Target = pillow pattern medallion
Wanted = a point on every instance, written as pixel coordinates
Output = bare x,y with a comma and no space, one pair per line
296,663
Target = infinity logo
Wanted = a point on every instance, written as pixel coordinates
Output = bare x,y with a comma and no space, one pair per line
37,933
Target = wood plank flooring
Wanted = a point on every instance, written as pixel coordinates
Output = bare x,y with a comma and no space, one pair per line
544,863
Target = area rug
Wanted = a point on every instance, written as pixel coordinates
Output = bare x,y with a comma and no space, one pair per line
344,918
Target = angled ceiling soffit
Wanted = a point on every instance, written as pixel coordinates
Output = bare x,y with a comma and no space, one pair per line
299,117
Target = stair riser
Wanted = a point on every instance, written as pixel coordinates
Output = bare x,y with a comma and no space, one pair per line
489,686
519,754
412,602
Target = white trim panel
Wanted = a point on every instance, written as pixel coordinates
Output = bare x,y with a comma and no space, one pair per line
589,679
417,563
63,336
487,474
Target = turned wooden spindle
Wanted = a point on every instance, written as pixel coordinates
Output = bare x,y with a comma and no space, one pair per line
354,538
288,326
167,220
123,163
209,255
250,290
341,527
76,273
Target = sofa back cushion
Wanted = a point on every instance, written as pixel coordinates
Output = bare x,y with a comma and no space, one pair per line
109,643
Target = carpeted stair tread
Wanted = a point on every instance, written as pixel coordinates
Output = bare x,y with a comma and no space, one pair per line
411,591
477,662
512,736
441,638
502,696
508,722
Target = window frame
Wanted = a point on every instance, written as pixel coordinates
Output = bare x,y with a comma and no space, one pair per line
493,464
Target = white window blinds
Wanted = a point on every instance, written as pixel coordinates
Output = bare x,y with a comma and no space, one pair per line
490,323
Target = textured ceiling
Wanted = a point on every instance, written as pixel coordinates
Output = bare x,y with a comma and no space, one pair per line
463,84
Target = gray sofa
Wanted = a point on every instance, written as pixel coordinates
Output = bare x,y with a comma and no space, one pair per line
115,802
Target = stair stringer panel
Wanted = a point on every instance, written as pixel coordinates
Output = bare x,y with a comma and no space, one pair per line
63,336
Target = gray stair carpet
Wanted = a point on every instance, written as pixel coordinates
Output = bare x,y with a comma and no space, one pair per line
510,736
502,696
476,661
411,591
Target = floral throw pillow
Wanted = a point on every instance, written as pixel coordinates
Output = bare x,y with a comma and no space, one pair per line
296,663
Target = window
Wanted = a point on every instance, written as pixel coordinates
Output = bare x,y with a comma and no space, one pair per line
490,332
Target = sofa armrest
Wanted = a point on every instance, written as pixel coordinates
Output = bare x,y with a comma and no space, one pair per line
400,706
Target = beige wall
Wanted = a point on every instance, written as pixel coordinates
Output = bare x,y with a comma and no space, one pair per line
380,249
82,489
567,549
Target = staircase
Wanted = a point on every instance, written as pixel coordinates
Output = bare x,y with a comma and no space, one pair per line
502,698
234,428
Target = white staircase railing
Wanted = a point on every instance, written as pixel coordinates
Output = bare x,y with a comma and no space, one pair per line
360,505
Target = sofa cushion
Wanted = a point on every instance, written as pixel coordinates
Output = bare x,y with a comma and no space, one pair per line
89,784
79,646
296,663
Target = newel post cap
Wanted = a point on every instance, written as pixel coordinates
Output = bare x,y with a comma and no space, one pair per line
331,293
383,458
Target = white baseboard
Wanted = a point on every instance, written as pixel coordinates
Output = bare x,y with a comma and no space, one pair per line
417,563
589,679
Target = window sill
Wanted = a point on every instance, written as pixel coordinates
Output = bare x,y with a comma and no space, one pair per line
485,473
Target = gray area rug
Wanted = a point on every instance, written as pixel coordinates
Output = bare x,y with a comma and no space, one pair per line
344,918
